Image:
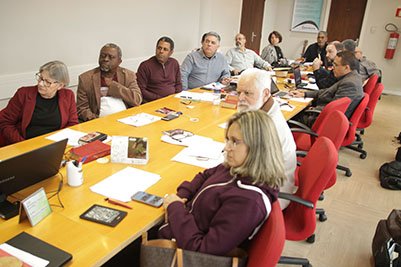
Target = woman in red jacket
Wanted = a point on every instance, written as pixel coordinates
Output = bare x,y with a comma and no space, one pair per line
40,109
223,207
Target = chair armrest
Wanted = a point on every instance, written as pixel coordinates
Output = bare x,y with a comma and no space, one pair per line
313,111
299,124
294,198
301,153
300,130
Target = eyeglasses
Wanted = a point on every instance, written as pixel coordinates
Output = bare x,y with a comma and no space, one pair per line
46,83
234,142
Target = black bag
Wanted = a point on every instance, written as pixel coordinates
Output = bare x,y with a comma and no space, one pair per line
390,175
387,239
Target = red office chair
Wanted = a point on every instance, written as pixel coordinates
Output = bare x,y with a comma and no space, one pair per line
370,84
334,128
267,245
367,116
350,137
304,141
317,168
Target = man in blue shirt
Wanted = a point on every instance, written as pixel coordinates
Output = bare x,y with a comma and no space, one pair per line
205,65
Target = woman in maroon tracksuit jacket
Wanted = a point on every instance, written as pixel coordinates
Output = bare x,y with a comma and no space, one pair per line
223,207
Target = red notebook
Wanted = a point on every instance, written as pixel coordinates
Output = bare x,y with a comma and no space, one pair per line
91,151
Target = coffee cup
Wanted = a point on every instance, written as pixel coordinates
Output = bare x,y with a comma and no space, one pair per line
74,173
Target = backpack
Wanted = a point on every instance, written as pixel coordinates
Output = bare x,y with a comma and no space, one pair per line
387,240
390,175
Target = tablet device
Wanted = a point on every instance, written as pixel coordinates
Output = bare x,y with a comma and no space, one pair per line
103,215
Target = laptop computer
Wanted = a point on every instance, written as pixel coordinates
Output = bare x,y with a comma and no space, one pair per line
275,91
298,78
27,169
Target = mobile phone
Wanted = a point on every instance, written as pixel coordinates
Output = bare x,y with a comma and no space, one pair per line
90,137
147,198
170,117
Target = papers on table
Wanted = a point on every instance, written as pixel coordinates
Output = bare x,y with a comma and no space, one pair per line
207,154
205,96
123,184
301,99
140,119
223,125
24,256
214,86
284,105
187,141
72,135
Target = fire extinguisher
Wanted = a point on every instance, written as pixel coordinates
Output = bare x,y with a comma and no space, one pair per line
392,41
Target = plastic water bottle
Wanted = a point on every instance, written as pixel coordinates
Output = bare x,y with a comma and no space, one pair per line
216,97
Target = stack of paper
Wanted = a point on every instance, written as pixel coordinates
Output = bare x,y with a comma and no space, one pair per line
123,184
206,154
140,119
72,135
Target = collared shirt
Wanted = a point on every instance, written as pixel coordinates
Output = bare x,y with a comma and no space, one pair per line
198,70
158,80
241,60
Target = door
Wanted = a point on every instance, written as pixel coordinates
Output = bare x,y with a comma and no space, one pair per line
251,22
345,20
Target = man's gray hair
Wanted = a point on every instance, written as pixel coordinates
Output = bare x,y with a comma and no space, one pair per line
215,34
338,45
322,32
111,45
349,45
257,78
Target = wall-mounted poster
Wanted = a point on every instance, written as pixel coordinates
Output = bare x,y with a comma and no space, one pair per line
306,15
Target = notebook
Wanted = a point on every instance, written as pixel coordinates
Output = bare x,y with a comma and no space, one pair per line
41,249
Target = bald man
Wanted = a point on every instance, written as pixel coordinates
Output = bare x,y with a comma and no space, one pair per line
240,58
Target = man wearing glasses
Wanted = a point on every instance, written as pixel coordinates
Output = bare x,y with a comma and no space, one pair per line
39,109
108,88
345,69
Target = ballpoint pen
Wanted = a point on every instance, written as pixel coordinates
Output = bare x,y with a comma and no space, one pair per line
119,203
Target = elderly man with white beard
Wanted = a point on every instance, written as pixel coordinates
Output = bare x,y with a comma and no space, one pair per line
254,93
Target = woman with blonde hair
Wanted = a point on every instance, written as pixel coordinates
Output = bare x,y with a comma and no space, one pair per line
223,207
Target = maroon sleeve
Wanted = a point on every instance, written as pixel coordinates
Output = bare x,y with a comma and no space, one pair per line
232,224
10,119
72,109
188,189
142,78
178,83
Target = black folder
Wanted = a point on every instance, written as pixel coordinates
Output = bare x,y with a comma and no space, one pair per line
41,249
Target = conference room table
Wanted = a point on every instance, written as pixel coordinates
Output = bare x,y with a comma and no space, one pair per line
93,244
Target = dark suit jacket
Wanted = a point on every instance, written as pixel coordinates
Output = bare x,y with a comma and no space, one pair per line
15,118
349,85
88,93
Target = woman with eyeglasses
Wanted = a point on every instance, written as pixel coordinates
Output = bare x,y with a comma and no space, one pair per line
223,207
40,109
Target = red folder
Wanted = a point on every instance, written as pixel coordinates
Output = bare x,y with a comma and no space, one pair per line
91,151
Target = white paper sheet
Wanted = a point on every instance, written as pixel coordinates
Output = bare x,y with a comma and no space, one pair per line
205,155
123,184
140,119
24,256
205,96
301,99
223,125
214,86
187,141
72,135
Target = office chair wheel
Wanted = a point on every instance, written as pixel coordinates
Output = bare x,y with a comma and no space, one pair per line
363,155
321,197
360,146
322,217
348,173
311,239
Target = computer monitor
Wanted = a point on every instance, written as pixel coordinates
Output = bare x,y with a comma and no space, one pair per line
27,169
298,78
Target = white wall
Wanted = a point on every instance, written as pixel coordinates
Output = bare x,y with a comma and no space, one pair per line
35,32
373,39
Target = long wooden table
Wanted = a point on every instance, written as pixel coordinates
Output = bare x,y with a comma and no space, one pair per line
92,244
